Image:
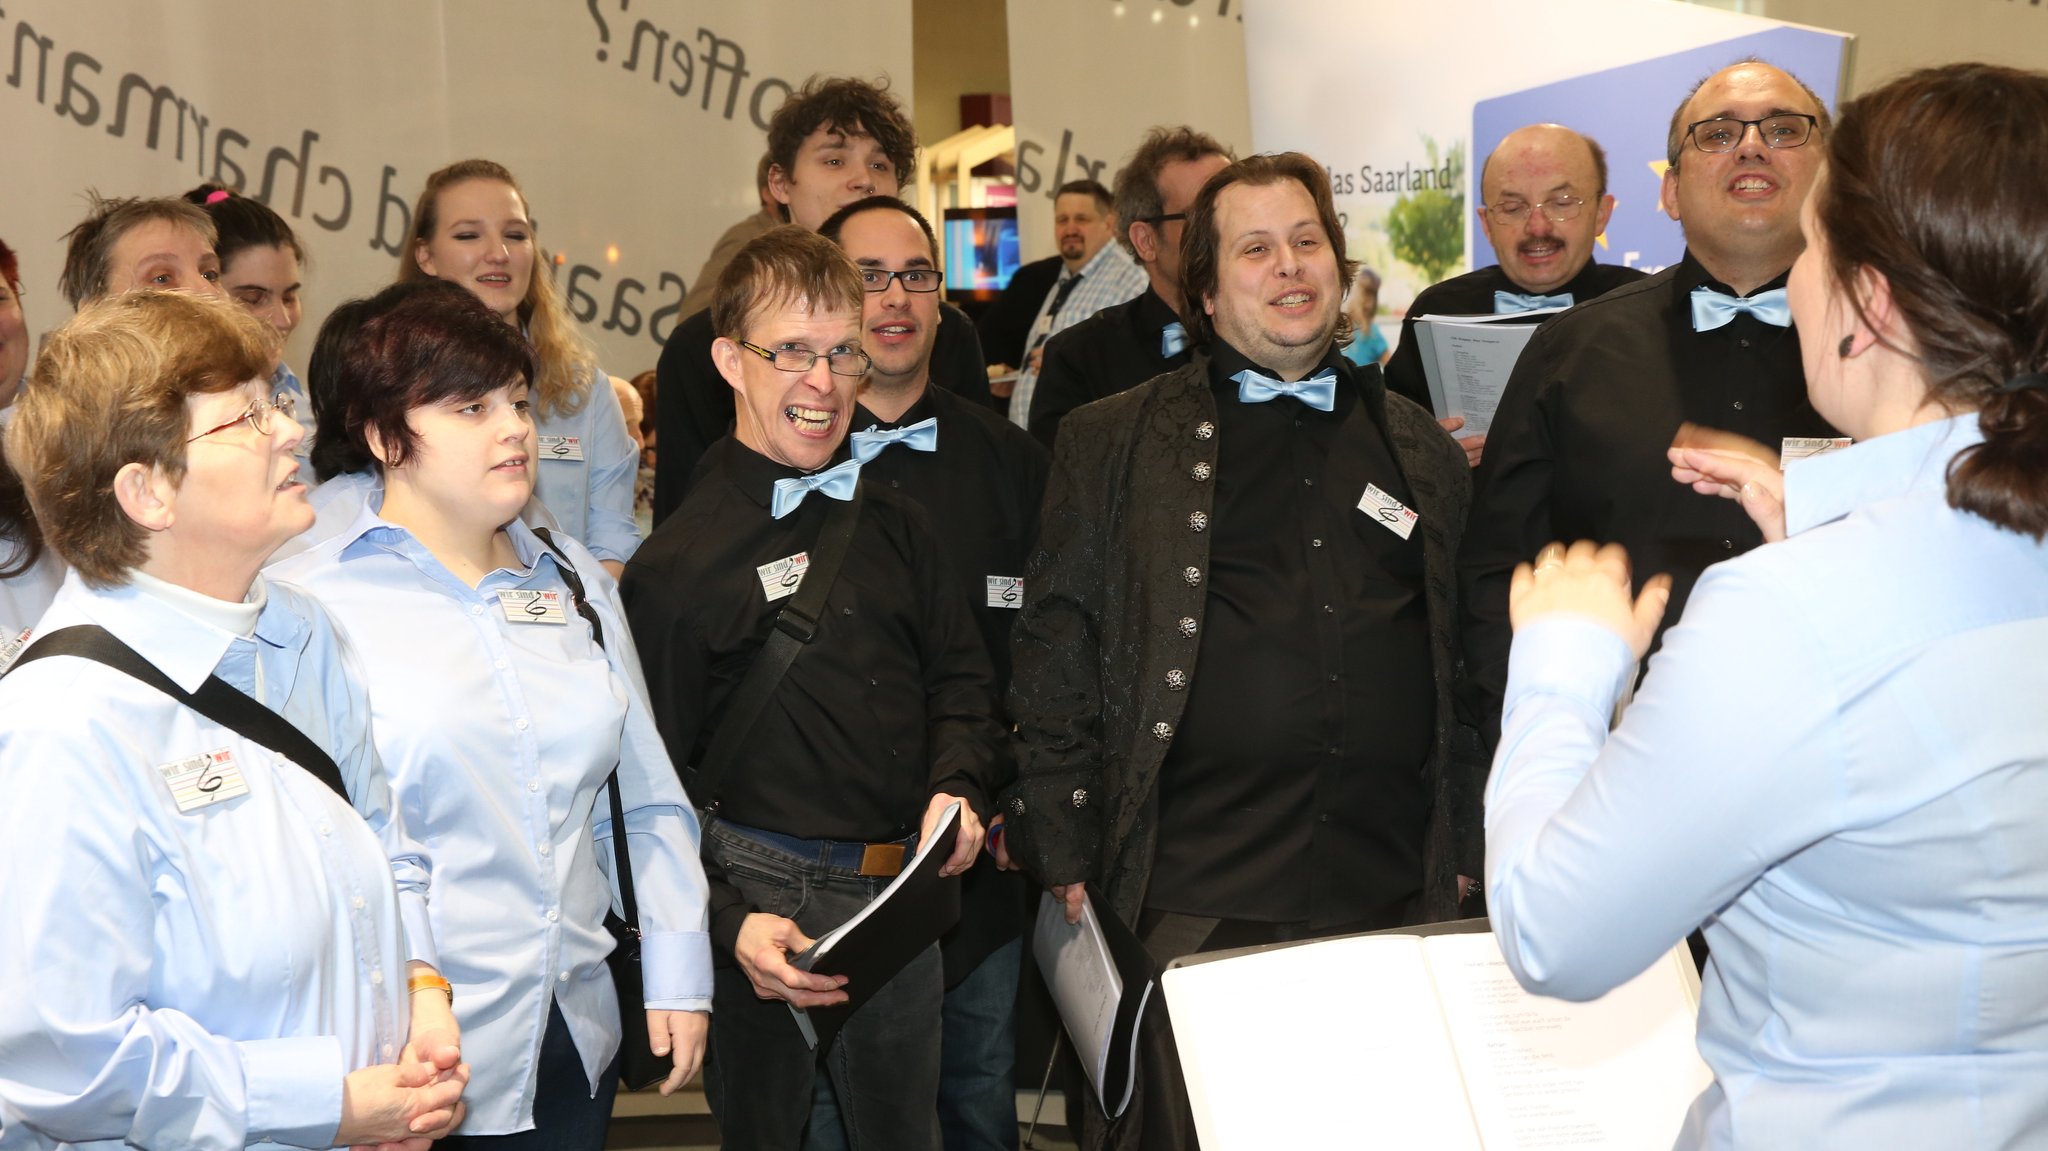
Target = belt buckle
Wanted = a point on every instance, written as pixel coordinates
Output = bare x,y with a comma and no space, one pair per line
881,859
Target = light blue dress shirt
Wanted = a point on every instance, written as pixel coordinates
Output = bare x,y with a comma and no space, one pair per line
1109,278
198,979
1839,764
283,379
592,497
499,737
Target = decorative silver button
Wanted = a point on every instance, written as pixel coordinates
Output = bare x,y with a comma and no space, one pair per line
1176,679
1162,731
1201,471
1205,430
1194,576
1187,626
1198,521
1017,805
1080,797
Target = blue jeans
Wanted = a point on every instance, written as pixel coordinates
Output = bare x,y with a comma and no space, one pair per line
977,1094
566,1116
884,1064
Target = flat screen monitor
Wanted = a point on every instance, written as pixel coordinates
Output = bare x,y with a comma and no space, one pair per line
981,252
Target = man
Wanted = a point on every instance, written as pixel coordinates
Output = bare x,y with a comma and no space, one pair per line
879,723
1123,346
1546,201
831,143
1577,449
1233,674
979,480
1096,274
733,239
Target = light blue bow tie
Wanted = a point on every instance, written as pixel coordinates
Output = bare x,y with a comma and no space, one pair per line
837,481
1712,309
1318,391
1173,340
1517,302
922,436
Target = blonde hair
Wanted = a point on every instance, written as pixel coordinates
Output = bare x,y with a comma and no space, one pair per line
567,362
110,390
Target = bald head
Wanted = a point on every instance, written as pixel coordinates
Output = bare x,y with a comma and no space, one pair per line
1537,174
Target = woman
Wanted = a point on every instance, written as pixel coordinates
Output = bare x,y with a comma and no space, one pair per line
1367,345
500,731
1839,760
471,227
136,245
259,269
29,571
201,942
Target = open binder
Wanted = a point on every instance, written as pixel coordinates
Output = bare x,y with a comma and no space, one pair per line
1101,980
1425,1037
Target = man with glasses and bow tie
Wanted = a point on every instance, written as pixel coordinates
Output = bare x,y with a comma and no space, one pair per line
979,479
882,716
1232,676
1546,201
1579,447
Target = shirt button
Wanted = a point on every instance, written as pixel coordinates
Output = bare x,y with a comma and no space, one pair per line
1308,481
1322,819
846,611
553,916
500,665
546,848
388,1056
1333,677
1738,405
533,785
326,830
520,724
563,977
895,483
356,902
1315,543
1335,751
873,682
1743,342
1329,609
1728,545
377,977
476,609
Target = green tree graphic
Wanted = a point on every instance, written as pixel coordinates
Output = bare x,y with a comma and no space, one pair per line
1426,227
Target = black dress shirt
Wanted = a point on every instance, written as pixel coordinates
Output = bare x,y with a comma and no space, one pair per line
694,404
892,702
1294,789
980,491
1472,295
1577,451
1116,348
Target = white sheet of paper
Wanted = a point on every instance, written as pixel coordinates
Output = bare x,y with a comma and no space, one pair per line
1083,978
1467,361
1339,1044
1616,1074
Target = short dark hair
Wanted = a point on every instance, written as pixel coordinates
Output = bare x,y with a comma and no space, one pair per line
1934,182
1137,195
786,263
88,257
240,222
1674,141
1201,247
836,222
1103,200
852,106
426,347
10,267
334,452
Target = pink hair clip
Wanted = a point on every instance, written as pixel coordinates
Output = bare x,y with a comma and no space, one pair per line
216,196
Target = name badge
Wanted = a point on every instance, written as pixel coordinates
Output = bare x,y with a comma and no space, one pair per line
11,647
1006,591
561,447
780,579
1800,447
524,606
203,780
1392,514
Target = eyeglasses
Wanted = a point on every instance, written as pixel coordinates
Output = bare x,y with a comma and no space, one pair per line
1724,133
258,415
912,279
1168,218
1557,208
842,362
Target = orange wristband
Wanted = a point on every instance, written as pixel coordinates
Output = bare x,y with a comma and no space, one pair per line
419,983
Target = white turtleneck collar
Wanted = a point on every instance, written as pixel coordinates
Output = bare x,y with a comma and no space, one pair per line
233,618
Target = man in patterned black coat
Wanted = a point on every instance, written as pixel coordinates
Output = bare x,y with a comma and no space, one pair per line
1233,673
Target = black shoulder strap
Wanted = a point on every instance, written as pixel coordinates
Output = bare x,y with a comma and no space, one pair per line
621,853
216,699
795,625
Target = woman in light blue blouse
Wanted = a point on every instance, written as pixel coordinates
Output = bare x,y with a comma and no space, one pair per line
500,710
202,945
1838,762
471,227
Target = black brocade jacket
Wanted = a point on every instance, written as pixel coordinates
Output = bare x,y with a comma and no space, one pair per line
1106,644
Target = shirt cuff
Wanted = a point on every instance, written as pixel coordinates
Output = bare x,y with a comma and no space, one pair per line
294,1089
419,930
1569,656
675,970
